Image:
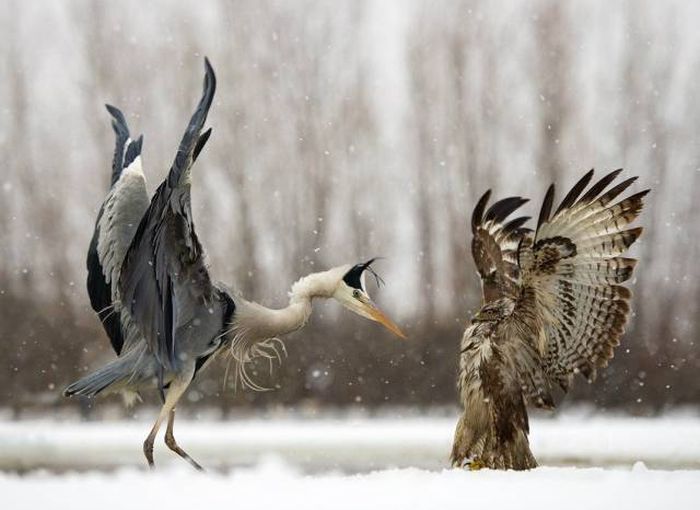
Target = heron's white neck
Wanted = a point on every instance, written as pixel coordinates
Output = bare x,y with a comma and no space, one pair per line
262,322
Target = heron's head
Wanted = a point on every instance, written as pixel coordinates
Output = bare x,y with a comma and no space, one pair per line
351,292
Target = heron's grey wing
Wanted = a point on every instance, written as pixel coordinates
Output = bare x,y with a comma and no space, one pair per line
571,273
115,227
494,246
164,280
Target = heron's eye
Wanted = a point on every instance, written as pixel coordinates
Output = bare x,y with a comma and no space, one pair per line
356,294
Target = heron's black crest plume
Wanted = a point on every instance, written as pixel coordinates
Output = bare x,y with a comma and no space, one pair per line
353,277
377,278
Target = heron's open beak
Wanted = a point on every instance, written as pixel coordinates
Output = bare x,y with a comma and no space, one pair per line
375,314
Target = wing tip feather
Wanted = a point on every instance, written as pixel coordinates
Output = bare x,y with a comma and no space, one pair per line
546,209
478,213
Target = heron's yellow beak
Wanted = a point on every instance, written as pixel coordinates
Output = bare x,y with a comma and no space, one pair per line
375,314
360,303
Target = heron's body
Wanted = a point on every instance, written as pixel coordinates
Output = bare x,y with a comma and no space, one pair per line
553,307
148,282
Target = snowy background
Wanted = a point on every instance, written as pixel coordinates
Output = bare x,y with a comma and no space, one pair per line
345,130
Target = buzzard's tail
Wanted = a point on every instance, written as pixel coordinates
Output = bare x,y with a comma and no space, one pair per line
480,444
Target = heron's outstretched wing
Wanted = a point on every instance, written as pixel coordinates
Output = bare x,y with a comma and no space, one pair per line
495,243
116,224
571,276
164,276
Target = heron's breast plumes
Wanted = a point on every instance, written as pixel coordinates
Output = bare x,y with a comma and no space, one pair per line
244,346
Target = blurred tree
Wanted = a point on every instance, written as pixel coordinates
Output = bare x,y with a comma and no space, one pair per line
301,174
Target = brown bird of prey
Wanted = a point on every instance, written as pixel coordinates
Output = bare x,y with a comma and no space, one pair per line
553,306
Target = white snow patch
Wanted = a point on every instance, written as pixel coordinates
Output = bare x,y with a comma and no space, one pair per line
274,485
350,444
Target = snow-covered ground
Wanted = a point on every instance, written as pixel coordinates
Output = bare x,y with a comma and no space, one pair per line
272,485
348,444
588,462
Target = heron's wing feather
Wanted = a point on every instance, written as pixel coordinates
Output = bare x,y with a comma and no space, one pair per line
100,293
164,274
572,273
495,243
116,224
122,138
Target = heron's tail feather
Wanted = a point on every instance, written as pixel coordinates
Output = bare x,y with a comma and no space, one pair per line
96,382
124,373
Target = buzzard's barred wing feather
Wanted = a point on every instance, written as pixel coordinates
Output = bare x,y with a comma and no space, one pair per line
495,245
572,272
574,193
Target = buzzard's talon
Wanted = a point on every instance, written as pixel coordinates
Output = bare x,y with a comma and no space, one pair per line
470,463
475,464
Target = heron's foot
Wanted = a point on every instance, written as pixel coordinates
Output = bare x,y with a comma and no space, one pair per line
172,444
148,452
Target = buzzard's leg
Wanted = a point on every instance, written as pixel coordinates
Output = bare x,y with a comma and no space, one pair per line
177,388
172,444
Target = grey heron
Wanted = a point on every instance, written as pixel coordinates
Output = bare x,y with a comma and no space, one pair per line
149,284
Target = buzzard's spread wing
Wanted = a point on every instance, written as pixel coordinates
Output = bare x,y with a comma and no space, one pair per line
494,246
571,276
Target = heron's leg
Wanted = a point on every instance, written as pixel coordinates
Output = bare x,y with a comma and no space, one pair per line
177,388
148,443
172,444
